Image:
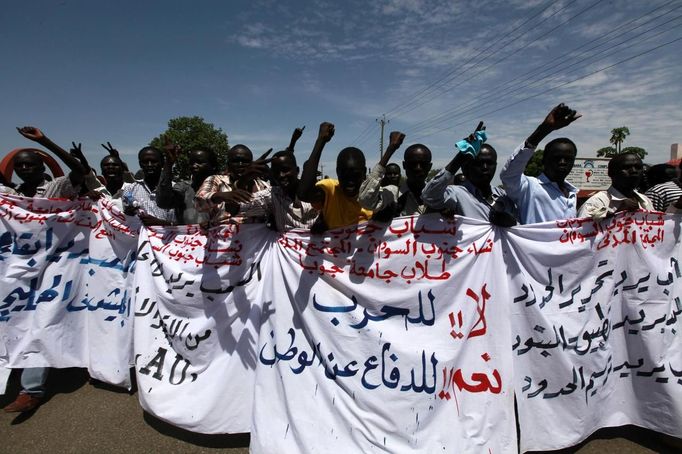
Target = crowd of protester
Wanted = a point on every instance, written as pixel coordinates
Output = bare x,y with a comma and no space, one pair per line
269,190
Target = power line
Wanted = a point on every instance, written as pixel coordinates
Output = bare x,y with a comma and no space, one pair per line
512,88
364,132
471,59
506,56
553,88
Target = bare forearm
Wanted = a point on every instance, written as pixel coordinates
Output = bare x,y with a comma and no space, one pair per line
457,162
73,163
306,187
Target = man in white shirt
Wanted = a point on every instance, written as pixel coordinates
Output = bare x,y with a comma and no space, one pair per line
625,171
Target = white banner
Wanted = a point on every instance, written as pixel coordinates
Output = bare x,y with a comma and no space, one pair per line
65,286
595,320
393,339
197,317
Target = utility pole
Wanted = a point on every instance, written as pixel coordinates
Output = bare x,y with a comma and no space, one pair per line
383,122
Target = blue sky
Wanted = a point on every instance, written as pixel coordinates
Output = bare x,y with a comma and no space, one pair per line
117,71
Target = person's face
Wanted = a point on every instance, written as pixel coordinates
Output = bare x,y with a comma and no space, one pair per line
200,164
284,172
237,161
628,173
151,164
559,161
392,176
351,175
29,167
482,169
417,165
111,168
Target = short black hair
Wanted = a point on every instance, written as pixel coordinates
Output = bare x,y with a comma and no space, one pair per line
115,158
352,154
212,156
150,148
559,141
240,146
415,147
489,147
285,154
618,160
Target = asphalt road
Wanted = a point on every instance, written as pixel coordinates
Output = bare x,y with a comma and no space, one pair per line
80,417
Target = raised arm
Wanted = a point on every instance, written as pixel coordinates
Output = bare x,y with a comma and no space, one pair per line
298,132
90,178
307,191
512,172
436,193
36,135
166,197
372,196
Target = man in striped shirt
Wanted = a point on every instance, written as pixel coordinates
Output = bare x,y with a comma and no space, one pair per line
665,194
280,201
221,195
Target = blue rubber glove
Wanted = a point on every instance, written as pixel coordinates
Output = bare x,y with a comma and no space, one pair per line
472,148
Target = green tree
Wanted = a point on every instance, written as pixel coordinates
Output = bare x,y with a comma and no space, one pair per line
534,166
618,136
191,133
606,152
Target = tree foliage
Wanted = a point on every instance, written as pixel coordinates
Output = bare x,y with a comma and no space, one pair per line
191,133
618,136
606,152
534,166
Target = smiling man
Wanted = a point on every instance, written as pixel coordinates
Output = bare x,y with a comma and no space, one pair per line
337,199
548,197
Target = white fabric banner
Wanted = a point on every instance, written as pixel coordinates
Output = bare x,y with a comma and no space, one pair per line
65,280
197,317
391,338
394,339
596,329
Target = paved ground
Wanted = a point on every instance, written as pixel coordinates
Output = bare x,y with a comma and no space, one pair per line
79,417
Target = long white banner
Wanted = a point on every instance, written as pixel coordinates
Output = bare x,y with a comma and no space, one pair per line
595,320
394,339
412,336
66,281
198,312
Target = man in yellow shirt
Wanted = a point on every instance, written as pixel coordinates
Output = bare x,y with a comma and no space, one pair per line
336,199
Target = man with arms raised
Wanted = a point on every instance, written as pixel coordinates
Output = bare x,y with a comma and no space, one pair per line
31,169
548,197
475,198
390,201
337,199
280,201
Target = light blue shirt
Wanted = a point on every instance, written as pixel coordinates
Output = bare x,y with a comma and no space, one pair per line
537,199
465,200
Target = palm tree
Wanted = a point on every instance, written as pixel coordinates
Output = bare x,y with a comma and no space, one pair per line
618,136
